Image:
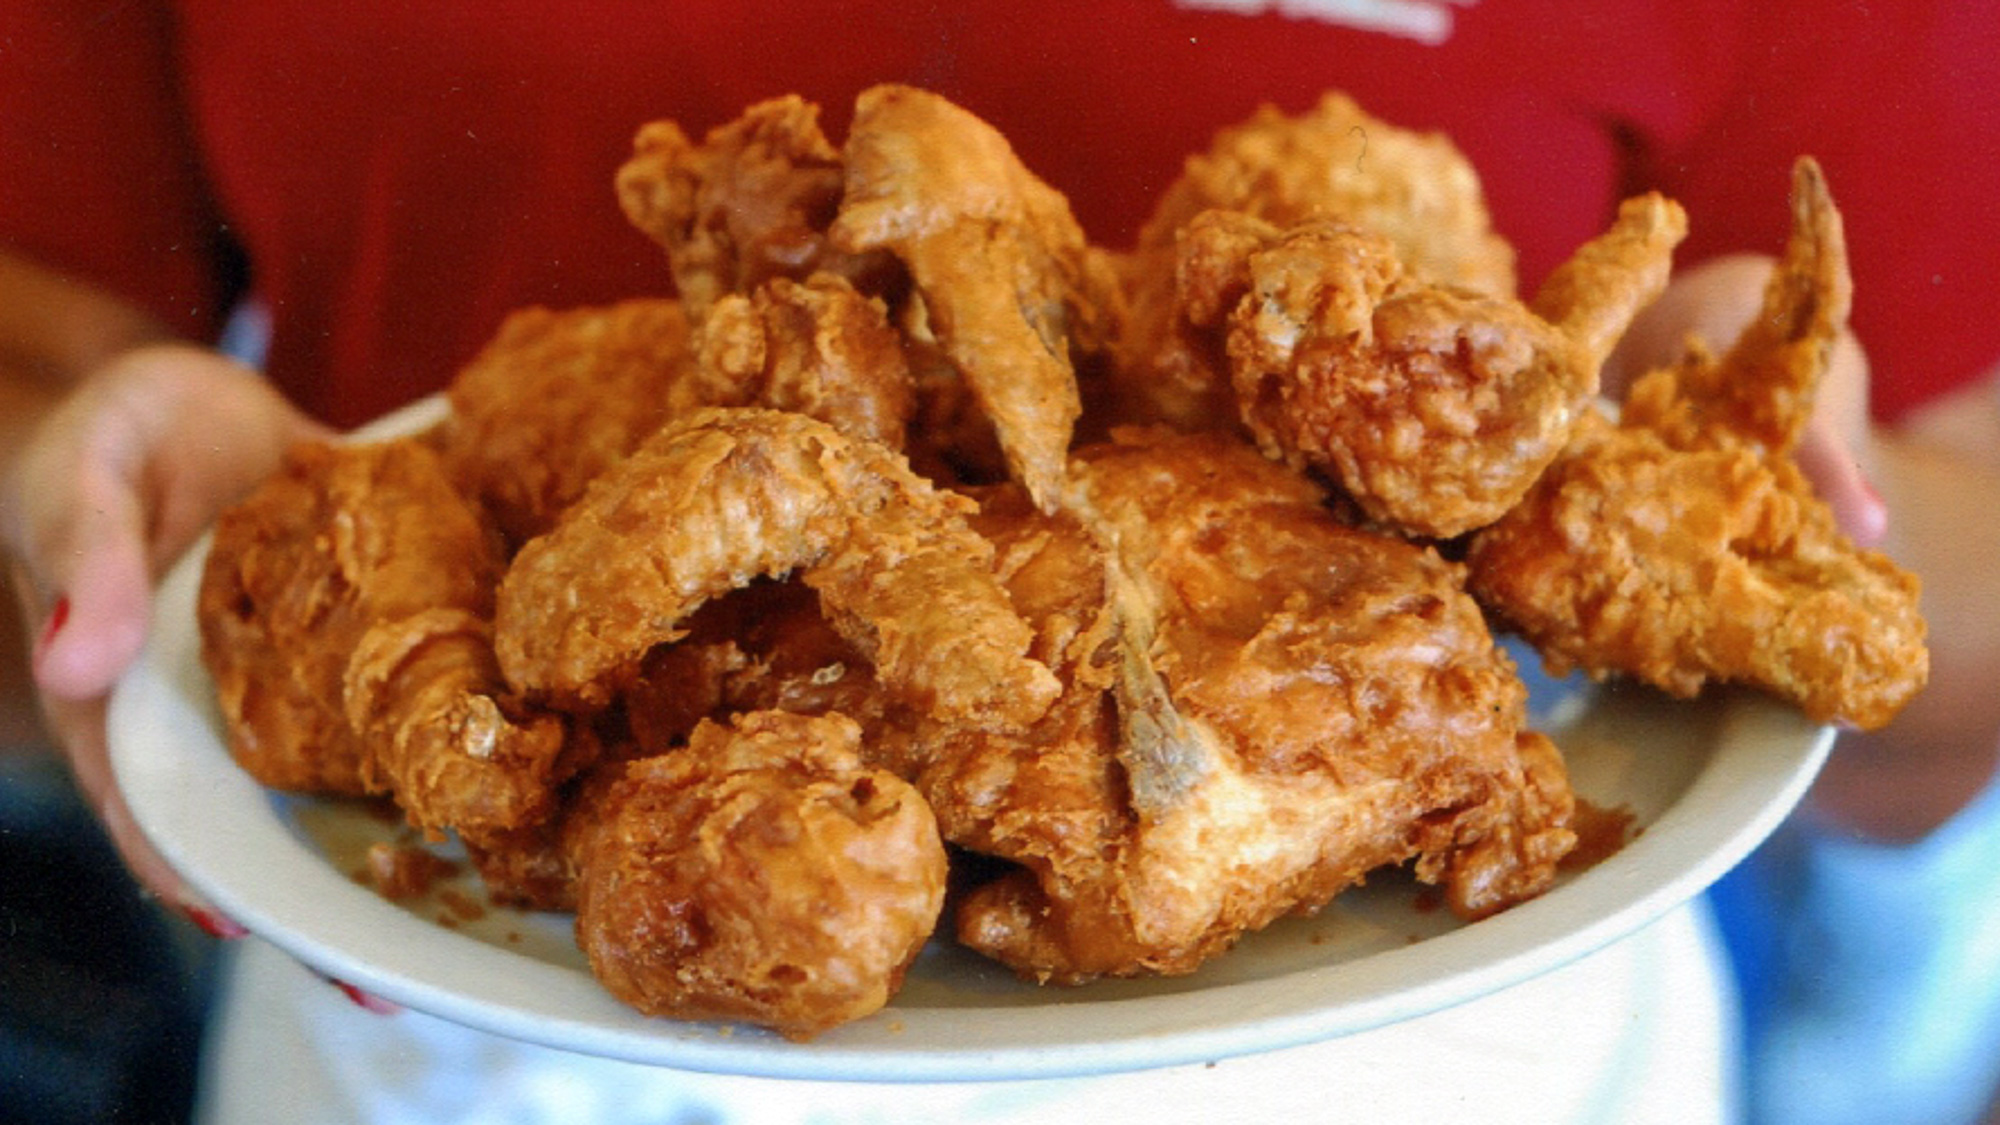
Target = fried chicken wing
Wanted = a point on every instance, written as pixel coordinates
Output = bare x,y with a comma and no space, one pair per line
1009,287
751,202
762,873
344,610
1761,390
722,497
1682,545
1679,567
1434,407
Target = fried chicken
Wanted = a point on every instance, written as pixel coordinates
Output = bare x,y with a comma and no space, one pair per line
749,203
1683,546
1008,286
1434,407
1263,705
1334,161
557,396
724,496
761,873
718,618
344,613
818,347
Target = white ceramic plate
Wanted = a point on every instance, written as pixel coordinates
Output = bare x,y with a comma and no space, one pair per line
1704,781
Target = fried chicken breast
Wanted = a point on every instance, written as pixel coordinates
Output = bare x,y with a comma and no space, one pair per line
1269,705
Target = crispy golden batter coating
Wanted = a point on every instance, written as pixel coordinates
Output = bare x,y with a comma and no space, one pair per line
557,396
1434,407
725,496
1678,567
751,202
1682,545
818,347
1761,390
1297,704
1334,161
344,612
1009,287
761,873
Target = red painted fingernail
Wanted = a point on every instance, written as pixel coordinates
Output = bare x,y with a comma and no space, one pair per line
366,1001
213,924
58,617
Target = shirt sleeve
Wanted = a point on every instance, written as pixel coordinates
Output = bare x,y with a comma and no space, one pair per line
102,182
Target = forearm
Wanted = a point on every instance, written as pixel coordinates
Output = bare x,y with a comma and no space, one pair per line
54,330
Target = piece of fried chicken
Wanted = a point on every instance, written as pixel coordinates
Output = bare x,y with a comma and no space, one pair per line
760,873
1337,161
1262,706
751,201
1333,161
1682,545
559,396
723,497
1006,283
345,617
1433,407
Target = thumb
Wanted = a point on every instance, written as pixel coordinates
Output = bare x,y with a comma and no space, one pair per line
96,589
1839,479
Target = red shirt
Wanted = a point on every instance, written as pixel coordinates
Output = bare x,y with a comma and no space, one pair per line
392,178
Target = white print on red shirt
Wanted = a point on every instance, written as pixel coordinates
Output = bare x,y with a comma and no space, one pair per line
1427,21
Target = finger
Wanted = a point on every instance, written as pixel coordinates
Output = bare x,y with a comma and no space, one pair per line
99,594
1840,481
366,1001
242,429
79,726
